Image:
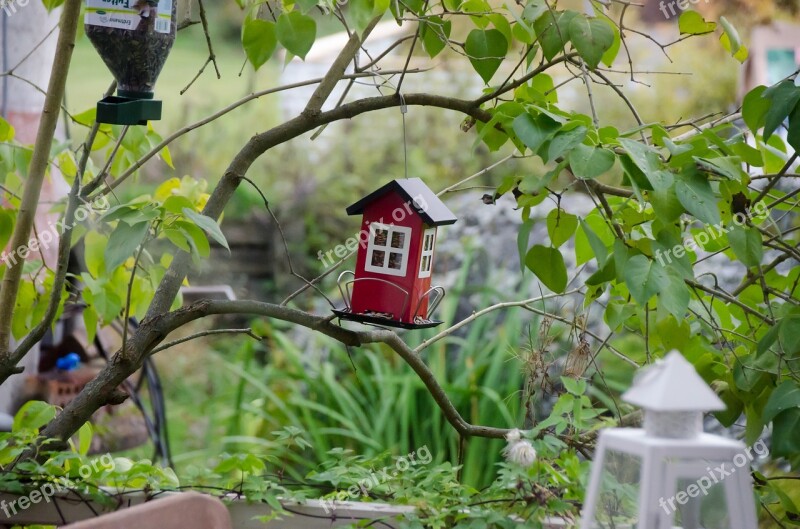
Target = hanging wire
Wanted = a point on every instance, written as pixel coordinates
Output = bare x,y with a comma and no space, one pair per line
403,111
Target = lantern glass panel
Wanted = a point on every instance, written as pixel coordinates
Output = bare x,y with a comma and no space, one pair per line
698,507
618,496
378,258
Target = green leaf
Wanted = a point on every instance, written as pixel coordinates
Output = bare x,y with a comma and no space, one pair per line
178,238
307,5
731,42
552,31
33,415
434,33
6,130
789,335
296,32
85,435
576,387
646,278
591,37
785,441
755,108
768,340
523,238
94,245
793,135
646,159
692,23
598,247
196,237
746,245
364,11
486,50
123,242
783,98
612,52
535,131
6,226
208,225
590,162
533,10
666,205
259,41
565,141
784,397
560,226
673,293
548,265
52,4
617,313
696,195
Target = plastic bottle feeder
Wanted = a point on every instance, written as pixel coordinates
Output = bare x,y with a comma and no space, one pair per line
134,38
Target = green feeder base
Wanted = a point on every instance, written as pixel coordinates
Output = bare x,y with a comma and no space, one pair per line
128,109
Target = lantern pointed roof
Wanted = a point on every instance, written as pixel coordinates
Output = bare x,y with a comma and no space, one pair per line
672,384
415,192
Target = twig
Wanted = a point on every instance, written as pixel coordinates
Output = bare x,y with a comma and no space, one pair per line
173,343
212,58
475,315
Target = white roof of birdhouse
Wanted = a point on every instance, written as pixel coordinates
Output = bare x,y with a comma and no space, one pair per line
672,384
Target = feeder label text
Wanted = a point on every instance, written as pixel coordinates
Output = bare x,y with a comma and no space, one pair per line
128,14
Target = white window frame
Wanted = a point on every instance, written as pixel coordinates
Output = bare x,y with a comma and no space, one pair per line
427,253
404,251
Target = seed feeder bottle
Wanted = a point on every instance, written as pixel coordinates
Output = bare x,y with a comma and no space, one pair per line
134,38
669,474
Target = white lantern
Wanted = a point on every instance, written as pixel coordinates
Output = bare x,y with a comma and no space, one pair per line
670,474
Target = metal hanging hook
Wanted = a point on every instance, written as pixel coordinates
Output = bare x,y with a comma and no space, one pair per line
403,111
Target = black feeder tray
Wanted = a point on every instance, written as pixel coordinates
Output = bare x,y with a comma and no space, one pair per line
345,314
128,109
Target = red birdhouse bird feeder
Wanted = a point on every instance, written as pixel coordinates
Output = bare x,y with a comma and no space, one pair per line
392,281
